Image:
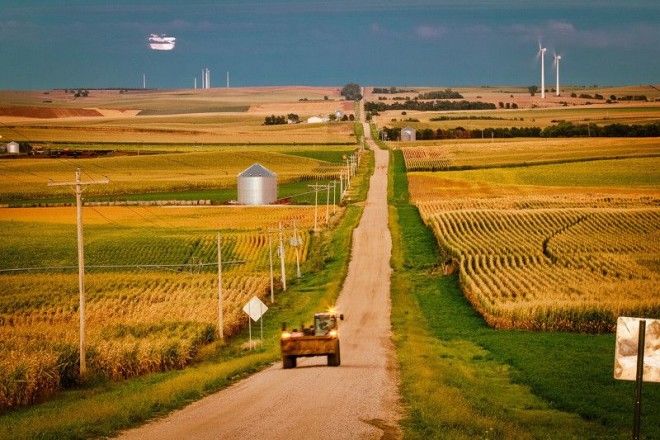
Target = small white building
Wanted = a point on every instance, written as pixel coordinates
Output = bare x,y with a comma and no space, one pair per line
13,148
408,134
339,114
316,120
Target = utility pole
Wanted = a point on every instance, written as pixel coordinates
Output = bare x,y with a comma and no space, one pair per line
334,197
316,187
221,323
341,185
296,243
79,186
327,204
270,259
282,268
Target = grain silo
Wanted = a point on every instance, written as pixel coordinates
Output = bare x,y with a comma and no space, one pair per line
408,134
257,186
13,148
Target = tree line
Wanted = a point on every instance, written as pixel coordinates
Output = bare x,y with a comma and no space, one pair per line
562,129
429,106
291,118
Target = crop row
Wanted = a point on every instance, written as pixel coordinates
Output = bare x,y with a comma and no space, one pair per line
138,320
426,158
553,268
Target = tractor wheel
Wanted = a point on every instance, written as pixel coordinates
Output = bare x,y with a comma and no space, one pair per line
288,362
334,360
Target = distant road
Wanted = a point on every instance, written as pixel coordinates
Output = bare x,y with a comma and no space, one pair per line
358,400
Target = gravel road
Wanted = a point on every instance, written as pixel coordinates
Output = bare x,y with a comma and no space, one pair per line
358,400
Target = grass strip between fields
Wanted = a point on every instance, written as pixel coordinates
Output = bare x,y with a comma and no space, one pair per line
462,379
103,409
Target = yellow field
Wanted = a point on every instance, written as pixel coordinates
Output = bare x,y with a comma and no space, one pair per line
541,117
28,178
177,116
140,318
549,247
205,217
439,155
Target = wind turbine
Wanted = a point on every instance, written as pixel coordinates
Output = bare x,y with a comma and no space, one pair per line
555,64
541,52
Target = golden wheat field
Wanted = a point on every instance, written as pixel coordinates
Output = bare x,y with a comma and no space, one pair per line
151,284
434,155
550,247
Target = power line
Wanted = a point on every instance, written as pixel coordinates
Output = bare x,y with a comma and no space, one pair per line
118,266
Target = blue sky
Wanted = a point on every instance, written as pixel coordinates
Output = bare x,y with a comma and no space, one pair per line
57,44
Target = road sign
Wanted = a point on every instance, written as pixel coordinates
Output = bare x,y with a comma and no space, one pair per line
625,357
255,308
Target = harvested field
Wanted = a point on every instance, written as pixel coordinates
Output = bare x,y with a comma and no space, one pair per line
46,112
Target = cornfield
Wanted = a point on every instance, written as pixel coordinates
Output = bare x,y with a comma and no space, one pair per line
139,319
479,154
553,263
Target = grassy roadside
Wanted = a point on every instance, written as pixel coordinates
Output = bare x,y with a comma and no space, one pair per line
461,379
102,409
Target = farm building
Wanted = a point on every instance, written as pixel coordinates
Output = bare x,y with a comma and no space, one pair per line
13,148
316,120
257,185
408,134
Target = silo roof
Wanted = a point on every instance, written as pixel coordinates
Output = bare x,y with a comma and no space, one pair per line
257,170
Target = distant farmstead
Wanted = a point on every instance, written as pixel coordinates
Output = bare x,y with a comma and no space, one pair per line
257,185
316,120
13,148
408,134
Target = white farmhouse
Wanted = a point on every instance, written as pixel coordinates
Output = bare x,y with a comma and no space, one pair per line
316,120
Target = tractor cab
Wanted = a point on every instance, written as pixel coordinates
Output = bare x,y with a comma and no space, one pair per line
325,323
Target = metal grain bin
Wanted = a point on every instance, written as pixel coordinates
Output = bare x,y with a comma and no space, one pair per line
13,148
257,186
408,134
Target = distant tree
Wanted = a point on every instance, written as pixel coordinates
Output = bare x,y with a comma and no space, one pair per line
352,92
508,105
294,118
351,117
573,95
533,90
501,104
332,117
325,98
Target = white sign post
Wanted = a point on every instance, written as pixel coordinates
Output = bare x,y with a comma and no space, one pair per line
637,357
255,309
